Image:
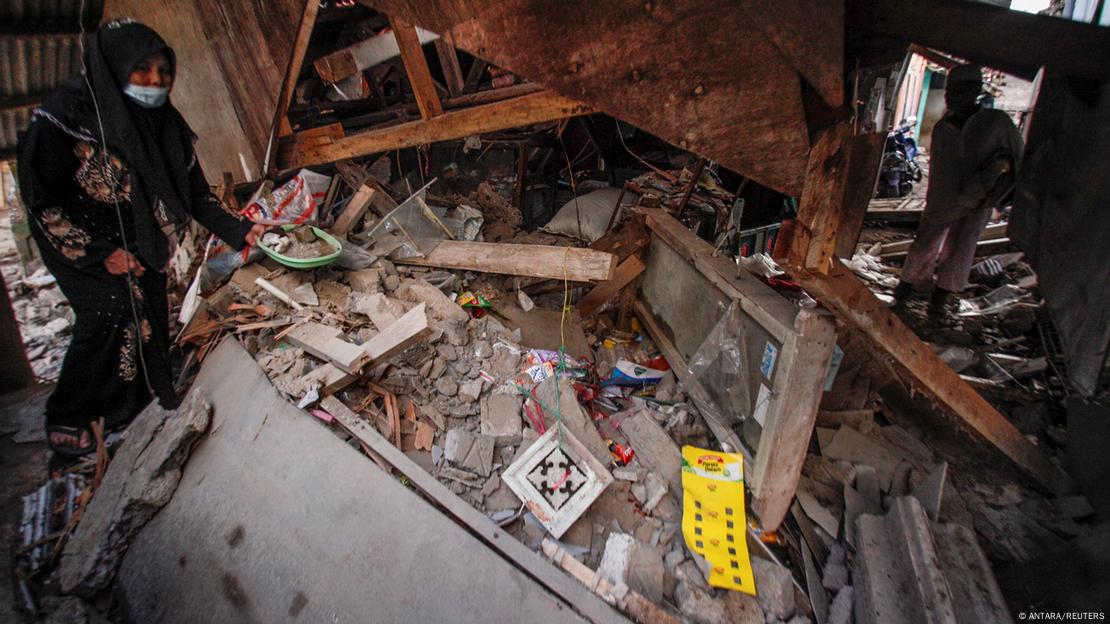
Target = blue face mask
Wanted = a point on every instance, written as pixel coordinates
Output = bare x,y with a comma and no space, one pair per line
147,97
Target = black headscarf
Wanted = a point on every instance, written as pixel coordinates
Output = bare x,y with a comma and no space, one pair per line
156,144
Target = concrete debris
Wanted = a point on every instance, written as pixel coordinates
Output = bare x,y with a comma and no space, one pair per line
931,489
698,606
140,480
774,588
840,612
631,561
470,452
439,305
654,490
573,417
625,474
835,575
501,418
851,445
906,571
366,281
469,391
654,447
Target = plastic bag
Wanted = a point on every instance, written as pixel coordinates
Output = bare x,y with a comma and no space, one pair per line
721,366
296,201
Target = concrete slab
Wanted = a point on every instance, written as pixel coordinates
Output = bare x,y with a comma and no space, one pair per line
277,520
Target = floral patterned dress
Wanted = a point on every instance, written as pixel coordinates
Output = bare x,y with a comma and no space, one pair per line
118,359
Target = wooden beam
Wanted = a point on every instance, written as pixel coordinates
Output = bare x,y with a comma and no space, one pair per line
840,177
289,84
899,249
416,68
846,296
864,157
353,211
521,111
1011,41
626,272
572,263
400,335
406,331
449,61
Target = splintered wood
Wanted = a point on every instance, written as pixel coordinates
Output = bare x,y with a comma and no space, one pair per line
327,344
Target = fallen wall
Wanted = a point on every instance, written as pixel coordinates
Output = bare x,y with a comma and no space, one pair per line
277,520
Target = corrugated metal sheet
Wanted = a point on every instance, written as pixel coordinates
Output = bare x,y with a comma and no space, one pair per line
39,48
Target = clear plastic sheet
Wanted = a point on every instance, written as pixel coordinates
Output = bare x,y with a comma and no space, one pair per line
417,226
721,366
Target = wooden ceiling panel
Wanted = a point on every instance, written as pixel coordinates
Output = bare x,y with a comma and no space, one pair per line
702,75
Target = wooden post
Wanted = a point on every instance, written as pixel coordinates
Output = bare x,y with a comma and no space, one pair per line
416,67
280,124
449,61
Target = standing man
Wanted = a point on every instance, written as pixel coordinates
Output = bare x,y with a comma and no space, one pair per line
974,155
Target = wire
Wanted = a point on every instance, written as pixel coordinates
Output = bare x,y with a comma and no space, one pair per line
573,186
115,201
633,154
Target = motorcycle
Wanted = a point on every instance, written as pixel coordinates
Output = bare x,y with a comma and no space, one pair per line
899,166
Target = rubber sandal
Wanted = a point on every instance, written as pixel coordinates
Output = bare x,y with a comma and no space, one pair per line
70,441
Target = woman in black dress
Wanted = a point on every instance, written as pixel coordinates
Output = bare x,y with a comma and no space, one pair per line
109,176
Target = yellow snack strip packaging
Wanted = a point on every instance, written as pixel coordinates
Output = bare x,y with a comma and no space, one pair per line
713,520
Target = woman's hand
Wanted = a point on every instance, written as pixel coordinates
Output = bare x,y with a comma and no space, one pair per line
120,262
256,231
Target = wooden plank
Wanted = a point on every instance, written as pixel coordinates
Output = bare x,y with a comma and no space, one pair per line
572,263
521,111
648,64
327,343
449,61
865,155
853,303
305,139
353,211
474,76
898,249
991,35
480,525
626,272
416,68
633,603
400,335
